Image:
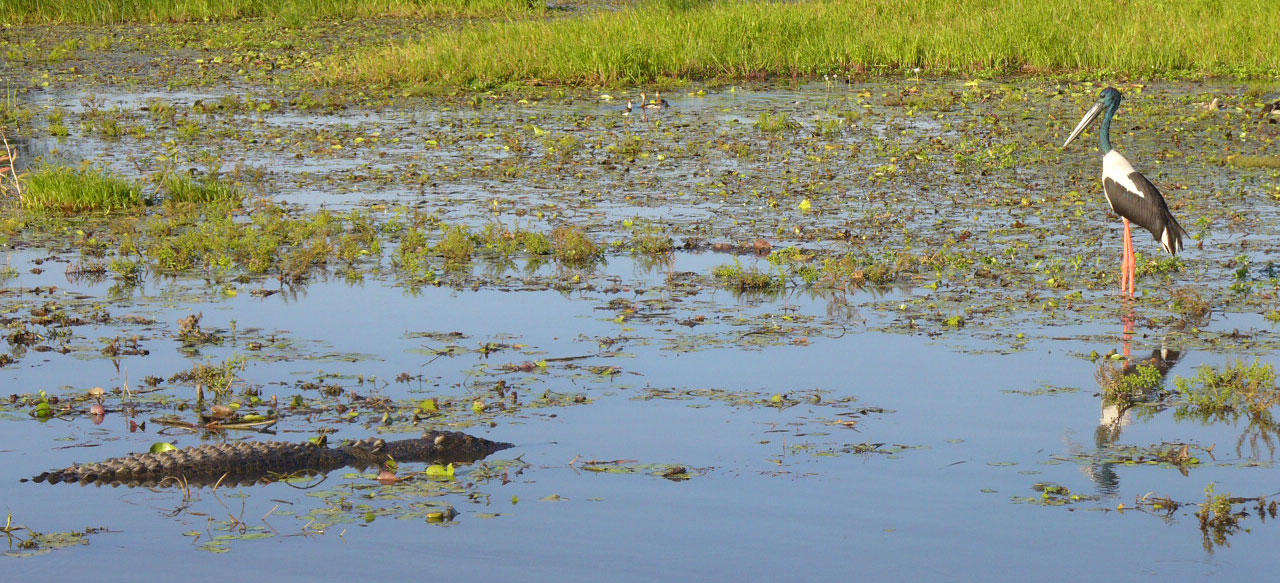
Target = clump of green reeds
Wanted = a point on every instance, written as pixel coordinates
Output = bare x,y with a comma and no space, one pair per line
182,188
71,190
742,38
114,11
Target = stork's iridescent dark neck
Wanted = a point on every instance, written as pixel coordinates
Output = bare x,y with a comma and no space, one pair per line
1104,136
1112,98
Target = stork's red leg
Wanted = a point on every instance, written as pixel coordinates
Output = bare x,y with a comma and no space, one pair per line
1124,260
1132,259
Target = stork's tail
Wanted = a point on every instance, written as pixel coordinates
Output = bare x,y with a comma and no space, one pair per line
1170,236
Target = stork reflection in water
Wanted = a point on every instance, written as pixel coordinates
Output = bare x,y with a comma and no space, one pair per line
1125,381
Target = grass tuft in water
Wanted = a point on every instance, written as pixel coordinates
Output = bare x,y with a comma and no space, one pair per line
571,246
776,123
185,189
456,246
71,190
743,279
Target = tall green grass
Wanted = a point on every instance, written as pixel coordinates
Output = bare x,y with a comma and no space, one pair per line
113,11
71,190
739,38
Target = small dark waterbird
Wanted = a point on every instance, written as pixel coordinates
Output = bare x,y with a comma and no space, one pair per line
1129,193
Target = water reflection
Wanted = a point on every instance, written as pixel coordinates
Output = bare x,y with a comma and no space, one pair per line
1126,382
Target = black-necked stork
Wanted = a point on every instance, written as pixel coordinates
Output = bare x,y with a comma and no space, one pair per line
1130,194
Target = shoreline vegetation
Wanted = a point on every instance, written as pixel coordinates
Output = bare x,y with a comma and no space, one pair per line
736,39
502,43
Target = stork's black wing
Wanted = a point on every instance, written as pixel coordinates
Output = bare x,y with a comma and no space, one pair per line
1147,209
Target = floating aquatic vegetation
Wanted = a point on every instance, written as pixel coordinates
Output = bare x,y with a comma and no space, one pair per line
24,542
1052,494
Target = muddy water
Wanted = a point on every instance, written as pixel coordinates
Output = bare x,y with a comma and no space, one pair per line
820,432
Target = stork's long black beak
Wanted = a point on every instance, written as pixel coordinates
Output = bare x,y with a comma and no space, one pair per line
1088,118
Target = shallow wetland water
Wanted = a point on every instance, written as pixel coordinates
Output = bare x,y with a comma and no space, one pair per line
928,409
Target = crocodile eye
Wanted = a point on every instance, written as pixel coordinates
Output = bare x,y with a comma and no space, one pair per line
379,444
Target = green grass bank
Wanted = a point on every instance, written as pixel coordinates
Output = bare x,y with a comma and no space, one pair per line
669,39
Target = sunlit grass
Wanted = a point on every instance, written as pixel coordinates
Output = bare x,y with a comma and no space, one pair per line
742,39
112,11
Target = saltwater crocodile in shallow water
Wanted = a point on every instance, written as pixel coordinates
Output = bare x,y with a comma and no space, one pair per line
250,462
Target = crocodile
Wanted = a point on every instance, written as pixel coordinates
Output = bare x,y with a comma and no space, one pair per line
252,462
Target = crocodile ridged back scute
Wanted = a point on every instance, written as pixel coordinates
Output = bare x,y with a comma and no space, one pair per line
247,462
236,461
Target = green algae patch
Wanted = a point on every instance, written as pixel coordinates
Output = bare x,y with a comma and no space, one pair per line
1176,455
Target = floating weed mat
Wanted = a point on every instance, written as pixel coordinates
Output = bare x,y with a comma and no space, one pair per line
426,496
673,472
222,543
414,497
24,542
1051,494
1219,516
1043,391
1183,457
